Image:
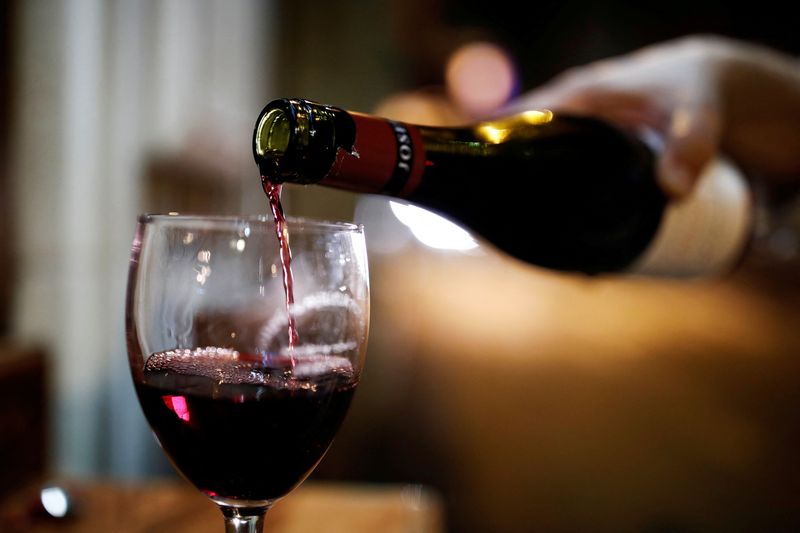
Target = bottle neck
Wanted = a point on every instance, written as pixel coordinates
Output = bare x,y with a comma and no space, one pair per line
387,158
303,142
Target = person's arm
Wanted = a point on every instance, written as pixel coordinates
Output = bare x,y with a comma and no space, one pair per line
704,94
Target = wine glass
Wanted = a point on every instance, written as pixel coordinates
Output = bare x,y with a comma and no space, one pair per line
243,406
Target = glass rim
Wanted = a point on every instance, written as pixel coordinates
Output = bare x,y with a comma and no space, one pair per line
221,221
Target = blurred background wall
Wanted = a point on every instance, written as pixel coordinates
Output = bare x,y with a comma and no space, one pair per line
114,104
111,108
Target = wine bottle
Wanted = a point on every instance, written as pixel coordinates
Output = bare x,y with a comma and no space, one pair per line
557,190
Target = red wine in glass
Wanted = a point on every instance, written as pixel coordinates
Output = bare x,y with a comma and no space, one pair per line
240,417
242,428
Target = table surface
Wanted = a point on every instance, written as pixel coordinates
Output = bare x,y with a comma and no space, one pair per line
176,507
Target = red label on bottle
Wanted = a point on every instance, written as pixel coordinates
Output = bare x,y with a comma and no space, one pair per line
387,157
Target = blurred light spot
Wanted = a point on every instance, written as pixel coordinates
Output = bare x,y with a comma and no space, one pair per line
493,134
188,238
431,229
239,245
496,131
204,256
537,116
55,501
480,77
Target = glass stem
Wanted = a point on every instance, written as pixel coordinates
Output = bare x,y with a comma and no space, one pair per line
243,519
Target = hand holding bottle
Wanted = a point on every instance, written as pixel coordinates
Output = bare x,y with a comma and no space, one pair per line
578,193
590,198
704,94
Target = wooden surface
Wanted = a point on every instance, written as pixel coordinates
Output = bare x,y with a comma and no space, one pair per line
174,507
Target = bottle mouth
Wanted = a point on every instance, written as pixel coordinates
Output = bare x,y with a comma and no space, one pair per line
273,132
298,140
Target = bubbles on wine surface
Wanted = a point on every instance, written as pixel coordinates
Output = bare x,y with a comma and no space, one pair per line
214,366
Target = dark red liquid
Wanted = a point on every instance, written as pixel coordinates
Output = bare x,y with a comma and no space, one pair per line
273,191
243,427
